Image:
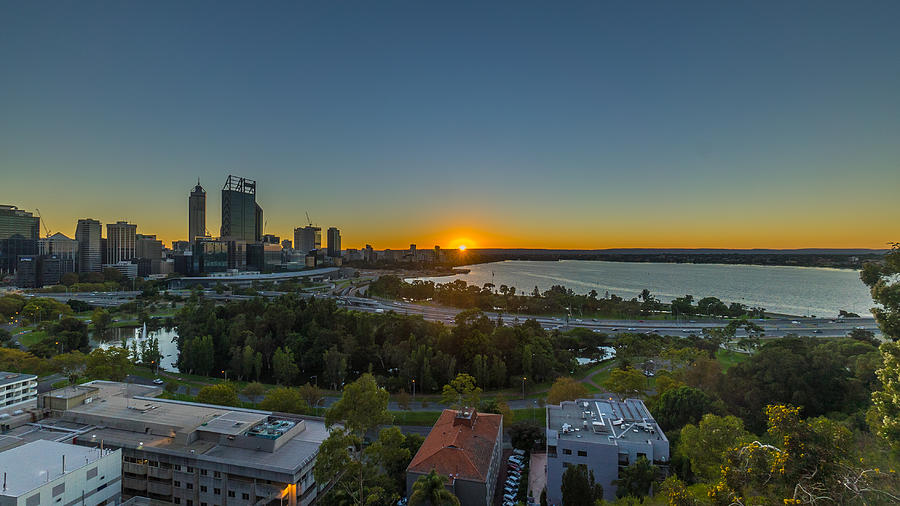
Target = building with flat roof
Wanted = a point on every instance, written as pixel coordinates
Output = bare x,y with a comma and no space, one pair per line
189,453
64,248
90,250
49,472
120,241
334,242
19,233
465,446
603,434
242,218
17,389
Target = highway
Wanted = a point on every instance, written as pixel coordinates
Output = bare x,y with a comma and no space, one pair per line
821,327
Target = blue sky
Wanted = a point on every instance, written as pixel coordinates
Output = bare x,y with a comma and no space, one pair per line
597,124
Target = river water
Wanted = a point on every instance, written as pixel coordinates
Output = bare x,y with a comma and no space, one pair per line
167,346
801,291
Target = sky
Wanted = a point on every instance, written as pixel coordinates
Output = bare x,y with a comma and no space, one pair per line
600,124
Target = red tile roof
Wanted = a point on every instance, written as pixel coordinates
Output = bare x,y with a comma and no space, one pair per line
455,447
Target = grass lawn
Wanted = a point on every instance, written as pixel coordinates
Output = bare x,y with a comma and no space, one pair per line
729,358
32,338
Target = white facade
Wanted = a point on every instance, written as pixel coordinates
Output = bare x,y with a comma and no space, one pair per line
17,389
47,472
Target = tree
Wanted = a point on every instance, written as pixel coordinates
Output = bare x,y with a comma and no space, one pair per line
283,399
334,367
884,284
525,435
681,406
430,490
566,389
461,391
101,320
223,394
579,487
254,391
884,415
703,444
392,453
109,364
311,394
635,480
362,406
284,367
72,365
68,279
625,382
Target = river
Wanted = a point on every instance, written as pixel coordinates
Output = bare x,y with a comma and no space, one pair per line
801,291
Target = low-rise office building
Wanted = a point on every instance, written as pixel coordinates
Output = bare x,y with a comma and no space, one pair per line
604,435
49,472
17,390
465,446
193,454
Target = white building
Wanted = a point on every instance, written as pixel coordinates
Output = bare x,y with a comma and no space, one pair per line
17,389
47,472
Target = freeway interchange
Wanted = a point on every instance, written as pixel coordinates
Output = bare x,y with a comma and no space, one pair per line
772,327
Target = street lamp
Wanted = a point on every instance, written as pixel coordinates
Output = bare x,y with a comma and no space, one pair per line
226,374
316,405
414,388
316,377
523,386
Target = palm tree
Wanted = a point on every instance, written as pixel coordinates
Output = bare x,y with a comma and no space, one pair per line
430,490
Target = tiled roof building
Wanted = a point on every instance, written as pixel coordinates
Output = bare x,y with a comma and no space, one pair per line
466,447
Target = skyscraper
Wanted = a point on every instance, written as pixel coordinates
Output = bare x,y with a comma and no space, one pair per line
307,238
120,241
65,249
334,242
197,212
241,215
19,233
90,254
149,247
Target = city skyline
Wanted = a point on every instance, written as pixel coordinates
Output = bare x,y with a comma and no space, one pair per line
506,125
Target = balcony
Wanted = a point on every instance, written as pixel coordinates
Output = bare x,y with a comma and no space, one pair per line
132,468
159,473
135,484
159,488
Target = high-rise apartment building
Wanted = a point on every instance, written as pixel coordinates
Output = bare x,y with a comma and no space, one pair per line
334,242
307,238
197,212
19,233
65,249
241,215
149,247
120,241
90,253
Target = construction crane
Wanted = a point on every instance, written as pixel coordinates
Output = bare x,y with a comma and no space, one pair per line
308,220
44,223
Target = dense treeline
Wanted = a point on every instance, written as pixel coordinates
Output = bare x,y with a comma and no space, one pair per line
291,340
558,299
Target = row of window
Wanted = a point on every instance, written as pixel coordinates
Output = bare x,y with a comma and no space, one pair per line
581,453
190,502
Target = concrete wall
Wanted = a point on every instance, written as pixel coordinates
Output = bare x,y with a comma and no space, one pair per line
104,485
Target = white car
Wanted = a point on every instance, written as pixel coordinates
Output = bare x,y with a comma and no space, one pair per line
158,381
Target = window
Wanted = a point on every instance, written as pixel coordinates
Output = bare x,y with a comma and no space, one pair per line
203,472
203,488
101,487
190,486
177,483
567,451
59,489
217,474
189,502
190,469
177,467
245,496
34,500
582,453
177,500
217,491
231,493
92,473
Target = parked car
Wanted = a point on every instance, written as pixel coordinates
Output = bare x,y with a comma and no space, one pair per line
158,381
519,452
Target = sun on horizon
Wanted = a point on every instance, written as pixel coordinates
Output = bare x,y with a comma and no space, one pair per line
462,247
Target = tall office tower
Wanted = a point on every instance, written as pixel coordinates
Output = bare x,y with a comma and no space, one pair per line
334,242
197,212
240,211
120,241
65,249
307,238
19,233
90,253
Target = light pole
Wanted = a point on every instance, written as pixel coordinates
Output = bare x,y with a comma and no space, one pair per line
414,388
316,377
316,405
225,372
523,386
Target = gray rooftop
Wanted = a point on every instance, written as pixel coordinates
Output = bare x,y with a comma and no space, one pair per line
27,466
13,377
602,421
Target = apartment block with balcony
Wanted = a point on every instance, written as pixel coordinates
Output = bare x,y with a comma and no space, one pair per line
17,390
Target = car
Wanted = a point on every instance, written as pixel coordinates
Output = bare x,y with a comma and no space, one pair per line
597,331
795,322
593,319
519,452
687,331
516,457
158,381
817,331
630,329
509,497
